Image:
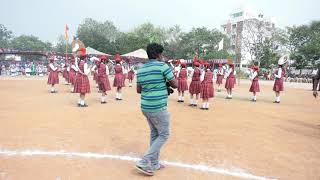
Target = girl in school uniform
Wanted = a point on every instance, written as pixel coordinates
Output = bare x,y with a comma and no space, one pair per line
118,78
72,73
103,79
182,81
65,73
95,71
53,77
131,74
231,80
195,85
279,77
220,76
254,77
207,89
82,85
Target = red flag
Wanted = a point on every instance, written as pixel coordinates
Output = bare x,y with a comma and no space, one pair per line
66,32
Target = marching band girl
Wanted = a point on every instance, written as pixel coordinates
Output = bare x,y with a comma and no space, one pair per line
231,80
254,77
118,78
103,79
195,85
182,81
220,76
82,85
207,89
53,77
279,77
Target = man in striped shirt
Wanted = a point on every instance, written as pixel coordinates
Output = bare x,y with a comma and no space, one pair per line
152,81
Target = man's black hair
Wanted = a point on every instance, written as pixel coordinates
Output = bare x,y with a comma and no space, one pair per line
154,50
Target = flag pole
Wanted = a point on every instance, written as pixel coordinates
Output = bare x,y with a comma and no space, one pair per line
66,50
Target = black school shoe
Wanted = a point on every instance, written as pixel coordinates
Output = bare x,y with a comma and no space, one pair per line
253,100
278,102
104,102
85,105
203,108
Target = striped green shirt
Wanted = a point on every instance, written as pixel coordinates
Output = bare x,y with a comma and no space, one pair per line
152,77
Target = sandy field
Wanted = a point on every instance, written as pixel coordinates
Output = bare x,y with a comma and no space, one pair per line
44,136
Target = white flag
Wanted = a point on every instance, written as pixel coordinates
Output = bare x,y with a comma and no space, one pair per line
220,45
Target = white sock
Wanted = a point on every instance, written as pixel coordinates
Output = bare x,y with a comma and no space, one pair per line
79,101
182,98
195,102
207,105
130,84
179,98
191,101
71,89
120,96
278,99
52,89
204,105
117,95
254,97
103,99
82,102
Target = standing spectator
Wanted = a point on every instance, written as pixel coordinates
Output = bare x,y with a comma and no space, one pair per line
151,84
316,80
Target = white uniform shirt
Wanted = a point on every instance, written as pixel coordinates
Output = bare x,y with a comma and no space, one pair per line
203,73
52,67
279,73
253,75
228,73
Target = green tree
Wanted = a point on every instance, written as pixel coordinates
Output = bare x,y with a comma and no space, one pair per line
151,33
128,42
304,43
268,54
172,44
61,45
30,43
5,36
99,35
203,42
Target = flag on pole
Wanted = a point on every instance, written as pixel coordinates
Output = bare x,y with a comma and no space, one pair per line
66,32
220,45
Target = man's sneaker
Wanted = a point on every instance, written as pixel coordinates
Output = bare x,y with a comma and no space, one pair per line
160,166
145,170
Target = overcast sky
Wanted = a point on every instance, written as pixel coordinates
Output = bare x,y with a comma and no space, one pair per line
46,19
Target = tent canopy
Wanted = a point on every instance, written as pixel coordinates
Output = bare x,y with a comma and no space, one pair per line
140,53
92,51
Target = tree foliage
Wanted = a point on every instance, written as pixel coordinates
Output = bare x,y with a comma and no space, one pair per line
5,36
304,43
30,43
99,35
61,45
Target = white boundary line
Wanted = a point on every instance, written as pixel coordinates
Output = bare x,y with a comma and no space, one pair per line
195,167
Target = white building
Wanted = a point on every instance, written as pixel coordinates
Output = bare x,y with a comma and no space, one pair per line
245,28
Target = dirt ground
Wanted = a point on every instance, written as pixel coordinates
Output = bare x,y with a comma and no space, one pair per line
279,141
